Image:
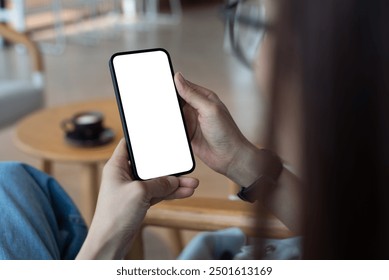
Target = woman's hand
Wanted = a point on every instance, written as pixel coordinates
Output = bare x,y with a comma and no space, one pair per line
122,205
215,137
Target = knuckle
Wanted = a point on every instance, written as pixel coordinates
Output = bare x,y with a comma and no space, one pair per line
163,182
215,108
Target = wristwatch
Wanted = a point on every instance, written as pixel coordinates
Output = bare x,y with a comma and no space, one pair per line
271,170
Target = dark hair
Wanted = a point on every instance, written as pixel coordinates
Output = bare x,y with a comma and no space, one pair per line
342,52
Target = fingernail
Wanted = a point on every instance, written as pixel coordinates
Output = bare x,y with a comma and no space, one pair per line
181,78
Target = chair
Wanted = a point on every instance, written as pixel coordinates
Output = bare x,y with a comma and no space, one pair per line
208,214
18,13
20,97
150,9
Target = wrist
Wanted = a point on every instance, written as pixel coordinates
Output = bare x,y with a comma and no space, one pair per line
251,163
99,249
106,242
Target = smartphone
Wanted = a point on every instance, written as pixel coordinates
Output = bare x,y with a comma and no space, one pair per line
151,115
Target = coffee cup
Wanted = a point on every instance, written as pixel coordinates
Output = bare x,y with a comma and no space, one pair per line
84,125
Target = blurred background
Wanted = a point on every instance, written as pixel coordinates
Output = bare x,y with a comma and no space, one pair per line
76,39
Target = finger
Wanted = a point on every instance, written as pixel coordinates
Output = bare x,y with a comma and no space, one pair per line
188,182
186,189
180,193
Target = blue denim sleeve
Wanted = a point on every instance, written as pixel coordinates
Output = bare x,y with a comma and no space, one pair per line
38,218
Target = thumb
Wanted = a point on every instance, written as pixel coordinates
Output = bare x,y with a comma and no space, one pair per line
160,187
196,96
120,155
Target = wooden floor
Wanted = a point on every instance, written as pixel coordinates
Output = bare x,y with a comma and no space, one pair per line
81,73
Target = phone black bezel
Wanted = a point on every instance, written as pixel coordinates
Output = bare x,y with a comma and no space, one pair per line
123,118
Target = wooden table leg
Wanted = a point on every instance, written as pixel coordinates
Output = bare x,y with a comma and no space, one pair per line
176,238
46,166
89,190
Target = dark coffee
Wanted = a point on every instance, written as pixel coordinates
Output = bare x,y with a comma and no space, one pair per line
84,125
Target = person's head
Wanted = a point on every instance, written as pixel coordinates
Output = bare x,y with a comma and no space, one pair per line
325,78
253,40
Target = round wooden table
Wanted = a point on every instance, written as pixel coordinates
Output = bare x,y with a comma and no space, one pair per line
40,135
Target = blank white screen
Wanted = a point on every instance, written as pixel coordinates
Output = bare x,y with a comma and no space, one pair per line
151,109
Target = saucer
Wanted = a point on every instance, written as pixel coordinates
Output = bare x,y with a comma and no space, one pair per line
105,137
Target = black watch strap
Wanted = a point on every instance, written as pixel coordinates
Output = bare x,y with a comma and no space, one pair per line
253,192
271,170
